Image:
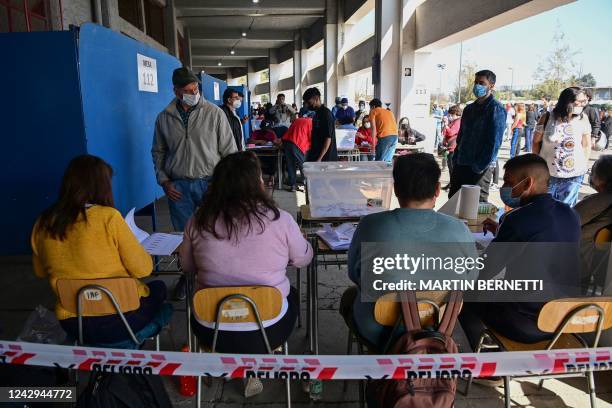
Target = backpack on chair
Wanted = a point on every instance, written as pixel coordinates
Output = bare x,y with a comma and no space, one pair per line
421,392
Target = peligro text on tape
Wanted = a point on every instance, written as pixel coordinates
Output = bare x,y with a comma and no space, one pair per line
323,367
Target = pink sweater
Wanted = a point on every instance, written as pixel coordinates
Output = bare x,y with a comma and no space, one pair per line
257,258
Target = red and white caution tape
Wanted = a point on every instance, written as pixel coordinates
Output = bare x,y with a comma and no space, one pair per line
323,367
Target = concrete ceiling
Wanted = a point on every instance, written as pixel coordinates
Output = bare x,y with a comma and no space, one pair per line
216,27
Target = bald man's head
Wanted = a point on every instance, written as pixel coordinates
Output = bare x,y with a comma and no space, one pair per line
528,174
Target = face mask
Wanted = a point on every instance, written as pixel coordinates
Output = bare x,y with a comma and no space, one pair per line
506,196
367,125
361,107
479,90
345,107
237,104
578,110
191,100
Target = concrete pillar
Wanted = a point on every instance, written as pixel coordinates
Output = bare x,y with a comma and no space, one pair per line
303,68
188,58
252,77
387,58
110,14
344,32
170,28
274,74
297,68
330,52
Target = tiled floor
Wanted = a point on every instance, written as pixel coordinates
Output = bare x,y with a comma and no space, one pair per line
21,292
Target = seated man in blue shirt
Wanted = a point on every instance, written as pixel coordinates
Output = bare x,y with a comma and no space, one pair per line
345,115
416,180
480,136
536,218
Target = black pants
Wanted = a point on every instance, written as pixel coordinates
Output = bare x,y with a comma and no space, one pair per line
449,161
110,329
294,158
464,175
509,319
251,342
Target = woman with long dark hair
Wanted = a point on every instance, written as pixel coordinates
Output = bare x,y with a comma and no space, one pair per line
563,138
240,237
82,236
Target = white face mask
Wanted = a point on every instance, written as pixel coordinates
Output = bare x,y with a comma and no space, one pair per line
191,100
367,125
237,104
578,110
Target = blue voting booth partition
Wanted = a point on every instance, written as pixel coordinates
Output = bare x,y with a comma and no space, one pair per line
74,92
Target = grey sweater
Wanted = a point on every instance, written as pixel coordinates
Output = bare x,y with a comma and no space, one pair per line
191,153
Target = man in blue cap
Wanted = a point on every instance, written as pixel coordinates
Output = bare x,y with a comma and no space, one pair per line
345,114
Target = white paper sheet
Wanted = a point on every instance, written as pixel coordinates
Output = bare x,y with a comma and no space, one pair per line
482,239
159,244
338,238
450,207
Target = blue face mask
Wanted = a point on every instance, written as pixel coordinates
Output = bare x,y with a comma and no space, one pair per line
506,196
479,90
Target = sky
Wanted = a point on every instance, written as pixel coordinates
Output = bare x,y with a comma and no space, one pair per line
522,45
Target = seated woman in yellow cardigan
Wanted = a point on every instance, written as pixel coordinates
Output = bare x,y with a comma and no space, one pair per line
82,236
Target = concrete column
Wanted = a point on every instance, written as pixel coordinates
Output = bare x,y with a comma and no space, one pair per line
252,77
387,58
413,89
170,28
344,32
330,44
110,14
188,57
297,68
274,74
303,64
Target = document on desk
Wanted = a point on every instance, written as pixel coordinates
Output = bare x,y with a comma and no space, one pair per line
483,240
159,244
338,238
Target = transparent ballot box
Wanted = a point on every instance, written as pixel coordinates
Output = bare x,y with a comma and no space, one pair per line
348,189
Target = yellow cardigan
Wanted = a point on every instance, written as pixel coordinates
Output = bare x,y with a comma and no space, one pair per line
101,247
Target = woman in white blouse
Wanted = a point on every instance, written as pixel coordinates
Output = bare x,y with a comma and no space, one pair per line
563,138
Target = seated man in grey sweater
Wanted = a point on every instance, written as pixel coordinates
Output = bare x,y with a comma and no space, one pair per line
417,186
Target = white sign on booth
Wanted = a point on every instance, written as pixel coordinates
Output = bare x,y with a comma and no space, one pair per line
147,73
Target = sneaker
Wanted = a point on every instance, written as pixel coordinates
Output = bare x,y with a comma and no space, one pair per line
494,187
252,387
290,189
489,381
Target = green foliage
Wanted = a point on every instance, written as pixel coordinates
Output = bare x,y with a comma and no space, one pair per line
464,93
586,80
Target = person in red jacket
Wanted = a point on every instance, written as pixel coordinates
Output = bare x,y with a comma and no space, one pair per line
364,140
296,142
449,133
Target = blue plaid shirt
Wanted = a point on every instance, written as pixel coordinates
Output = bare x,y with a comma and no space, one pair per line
184,114
480,135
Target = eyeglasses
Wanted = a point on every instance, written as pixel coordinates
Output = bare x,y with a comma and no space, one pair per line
581,102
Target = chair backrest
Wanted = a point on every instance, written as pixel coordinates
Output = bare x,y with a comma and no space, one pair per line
603,236
94,301
387,309
582,315
268,301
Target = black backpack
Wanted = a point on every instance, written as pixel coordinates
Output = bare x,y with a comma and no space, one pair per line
109,390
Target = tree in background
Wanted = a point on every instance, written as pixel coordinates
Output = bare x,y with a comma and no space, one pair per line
586,80
464,93
556,71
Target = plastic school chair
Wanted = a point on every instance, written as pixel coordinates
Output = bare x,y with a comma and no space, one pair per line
600,258
239,304
388,312
101,297
566,318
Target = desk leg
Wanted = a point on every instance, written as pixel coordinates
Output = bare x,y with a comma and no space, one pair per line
188,297
298,279
279,162
315,306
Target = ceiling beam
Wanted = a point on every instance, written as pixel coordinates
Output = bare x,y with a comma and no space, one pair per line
186,14
254,35
239,7
225,52
226,63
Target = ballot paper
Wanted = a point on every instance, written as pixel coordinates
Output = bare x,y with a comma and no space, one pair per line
157,243
483,240
338,238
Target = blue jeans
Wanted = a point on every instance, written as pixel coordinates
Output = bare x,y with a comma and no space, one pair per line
295,159
515,142
565,189
385,148
193,192
529,138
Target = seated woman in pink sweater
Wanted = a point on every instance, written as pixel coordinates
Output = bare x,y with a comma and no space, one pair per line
239,237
